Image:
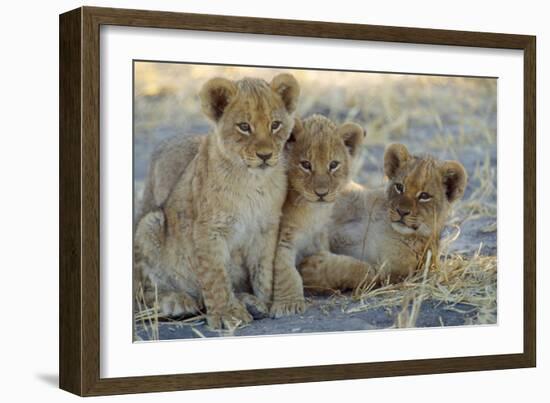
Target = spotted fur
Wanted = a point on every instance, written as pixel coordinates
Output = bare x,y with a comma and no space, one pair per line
207,230
320,155
391,228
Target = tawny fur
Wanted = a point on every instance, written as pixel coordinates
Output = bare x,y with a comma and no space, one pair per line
208,226
314,185
367,225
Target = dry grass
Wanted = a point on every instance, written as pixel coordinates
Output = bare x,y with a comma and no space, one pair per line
148,319
146,316
467,285
450,278
455,280
448,117
459,111
464,284
482,201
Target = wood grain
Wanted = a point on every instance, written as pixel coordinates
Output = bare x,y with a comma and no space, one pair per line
70,270
530,202
80,200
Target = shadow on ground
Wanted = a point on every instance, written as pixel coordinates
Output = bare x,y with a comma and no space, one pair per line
50,379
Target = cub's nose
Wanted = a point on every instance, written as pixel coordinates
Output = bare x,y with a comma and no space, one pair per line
321,193
264,157
403,213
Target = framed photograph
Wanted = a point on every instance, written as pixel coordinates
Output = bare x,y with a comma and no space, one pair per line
248,201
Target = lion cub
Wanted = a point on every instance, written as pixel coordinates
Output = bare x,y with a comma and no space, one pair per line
208,227
391,228
319,162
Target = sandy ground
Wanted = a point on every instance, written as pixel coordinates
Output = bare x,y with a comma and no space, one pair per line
334,314
451,118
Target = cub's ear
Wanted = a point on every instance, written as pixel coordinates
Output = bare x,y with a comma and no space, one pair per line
215,95
288,88
353,136
394,157
297,131
455,179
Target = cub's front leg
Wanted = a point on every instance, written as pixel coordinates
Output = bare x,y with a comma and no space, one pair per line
260,261
288,291
223,309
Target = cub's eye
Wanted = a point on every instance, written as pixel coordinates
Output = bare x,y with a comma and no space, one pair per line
399,188
333,165
275,125
424,197
306,165
243,127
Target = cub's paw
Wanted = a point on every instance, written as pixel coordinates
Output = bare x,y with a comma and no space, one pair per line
254,305
287,307
229,317
179,304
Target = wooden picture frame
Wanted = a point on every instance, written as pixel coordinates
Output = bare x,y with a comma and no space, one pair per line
79,347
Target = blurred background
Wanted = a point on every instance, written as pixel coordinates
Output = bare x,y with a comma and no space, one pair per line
449,117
